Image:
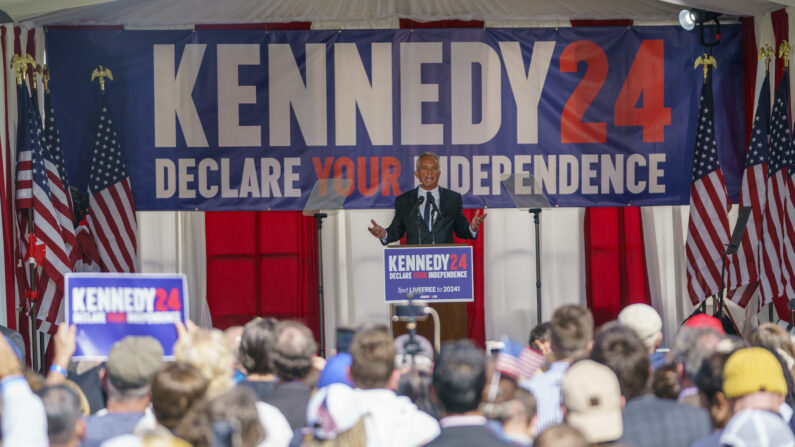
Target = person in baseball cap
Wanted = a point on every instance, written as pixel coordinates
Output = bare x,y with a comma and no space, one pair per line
757,428
131,364
646,322
593,402
753,379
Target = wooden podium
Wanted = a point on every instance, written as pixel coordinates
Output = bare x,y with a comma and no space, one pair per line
452,315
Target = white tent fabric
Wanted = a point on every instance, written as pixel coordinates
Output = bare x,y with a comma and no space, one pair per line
355,13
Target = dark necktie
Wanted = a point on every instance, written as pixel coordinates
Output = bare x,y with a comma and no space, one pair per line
427,214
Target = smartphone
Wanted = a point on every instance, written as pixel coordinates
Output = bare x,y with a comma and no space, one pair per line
344,338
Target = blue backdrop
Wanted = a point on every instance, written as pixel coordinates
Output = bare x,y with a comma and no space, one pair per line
249,120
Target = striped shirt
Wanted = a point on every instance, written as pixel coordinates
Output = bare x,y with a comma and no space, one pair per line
546,389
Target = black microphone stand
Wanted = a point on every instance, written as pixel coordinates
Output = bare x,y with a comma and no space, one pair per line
321,312
536,212
432,219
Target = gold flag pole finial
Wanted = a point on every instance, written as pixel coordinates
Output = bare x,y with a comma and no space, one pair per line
45,77
101,73
768,53
20,65
36,70
784,51
705,61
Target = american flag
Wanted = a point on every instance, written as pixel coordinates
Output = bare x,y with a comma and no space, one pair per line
708,226
517,360
111,215
744,274
771,250
51,297
58,178
788,254
33,191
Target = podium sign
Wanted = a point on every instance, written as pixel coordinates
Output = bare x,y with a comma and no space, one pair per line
107,307
433,273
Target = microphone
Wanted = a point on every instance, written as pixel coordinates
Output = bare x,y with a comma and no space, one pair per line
420,199
432,201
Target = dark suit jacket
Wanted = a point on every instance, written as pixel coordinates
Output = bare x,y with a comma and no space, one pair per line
291,398
467,435
653,422
452,219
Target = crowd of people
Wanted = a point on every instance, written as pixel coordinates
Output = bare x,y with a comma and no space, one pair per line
264,385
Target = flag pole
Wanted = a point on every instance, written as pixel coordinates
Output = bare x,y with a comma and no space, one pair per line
34,95
20,65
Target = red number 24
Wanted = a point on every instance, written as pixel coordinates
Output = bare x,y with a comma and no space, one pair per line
645,79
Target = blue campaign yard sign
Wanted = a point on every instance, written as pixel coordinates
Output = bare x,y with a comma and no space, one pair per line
441,273
107,307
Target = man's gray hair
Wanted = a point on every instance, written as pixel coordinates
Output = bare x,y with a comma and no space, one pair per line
63,411
691,347
426,154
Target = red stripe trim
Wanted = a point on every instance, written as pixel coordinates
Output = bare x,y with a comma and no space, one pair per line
85,27
413,24
614,22
286,26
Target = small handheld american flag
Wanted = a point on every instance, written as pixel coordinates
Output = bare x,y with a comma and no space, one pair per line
517,360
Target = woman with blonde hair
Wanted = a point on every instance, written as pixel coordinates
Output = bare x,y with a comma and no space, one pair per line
209,352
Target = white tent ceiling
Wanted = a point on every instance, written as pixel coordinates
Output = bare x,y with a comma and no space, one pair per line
186,12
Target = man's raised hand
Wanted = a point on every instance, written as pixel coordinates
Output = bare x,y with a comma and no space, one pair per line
477,220
377,230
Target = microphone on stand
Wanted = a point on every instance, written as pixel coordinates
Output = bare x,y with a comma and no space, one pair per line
420,199
432,201
416,208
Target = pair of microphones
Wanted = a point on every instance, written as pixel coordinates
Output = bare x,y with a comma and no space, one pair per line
421,200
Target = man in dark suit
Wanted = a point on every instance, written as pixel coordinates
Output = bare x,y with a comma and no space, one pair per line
429,214
458,380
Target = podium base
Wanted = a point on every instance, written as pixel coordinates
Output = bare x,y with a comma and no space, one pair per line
453,318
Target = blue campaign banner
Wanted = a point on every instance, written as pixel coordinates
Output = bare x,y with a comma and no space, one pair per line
107,307
250,120
429,273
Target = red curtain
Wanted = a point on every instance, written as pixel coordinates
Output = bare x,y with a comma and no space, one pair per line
749,56
615,267
261,264
6,201
476,318
780,31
